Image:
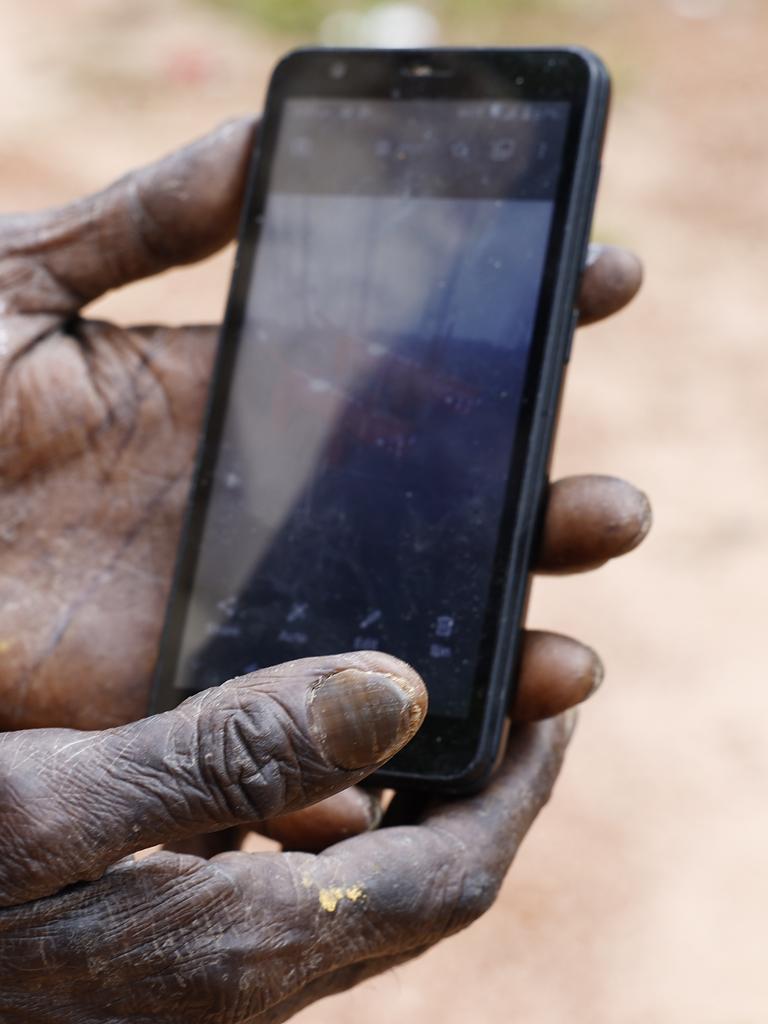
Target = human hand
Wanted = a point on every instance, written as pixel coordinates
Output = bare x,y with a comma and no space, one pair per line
240,938
100,423
99,428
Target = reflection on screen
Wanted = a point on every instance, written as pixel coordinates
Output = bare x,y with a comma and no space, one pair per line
365,453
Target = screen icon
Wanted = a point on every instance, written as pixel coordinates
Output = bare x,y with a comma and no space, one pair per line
372,618
460,150
298,612
503,149
440,651
445,626
227,606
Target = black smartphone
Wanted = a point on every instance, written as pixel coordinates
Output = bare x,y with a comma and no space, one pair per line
383,406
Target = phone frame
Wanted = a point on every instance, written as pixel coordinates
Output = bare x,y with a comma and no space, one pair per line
448,755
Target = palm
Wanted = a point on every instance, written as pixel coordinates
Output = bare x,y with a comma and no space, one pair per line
103,424
99,427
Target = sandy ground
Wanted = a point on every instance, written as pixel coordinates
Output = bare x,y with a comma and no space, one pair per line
642,895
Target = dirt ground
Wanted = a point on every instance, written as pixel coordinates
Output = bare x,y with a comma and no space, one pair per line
642,896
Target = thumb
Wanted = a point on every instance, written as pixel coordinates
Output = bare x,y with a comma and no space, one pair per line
275,741
175,211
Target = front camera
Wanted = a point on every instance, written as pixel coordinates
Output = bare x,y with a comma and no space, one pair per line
338,70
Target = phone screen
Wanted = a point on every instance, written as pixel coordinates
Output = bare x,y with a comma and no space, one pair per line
362,467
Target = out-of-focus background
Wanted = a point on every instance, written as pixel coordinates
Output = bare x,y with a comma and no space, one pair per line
642,895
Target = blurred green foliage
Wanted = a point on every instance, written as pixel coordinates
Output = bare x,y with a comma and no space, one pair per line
288,15
305,16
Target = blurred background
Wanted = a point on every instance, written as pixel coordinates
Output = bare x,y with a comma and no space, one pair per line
642,895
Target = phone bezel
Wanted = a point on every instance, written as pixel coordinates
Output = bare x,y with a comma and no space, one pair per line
447,753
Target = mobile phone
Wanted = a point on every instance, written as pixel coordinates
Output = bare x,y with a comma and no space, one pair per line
383,405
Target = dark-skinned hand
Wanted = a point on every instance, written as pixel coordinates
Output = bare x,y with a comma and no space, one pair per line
98,428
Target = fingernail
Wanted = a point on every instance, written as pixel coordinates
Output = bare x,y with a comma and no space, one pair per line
362,718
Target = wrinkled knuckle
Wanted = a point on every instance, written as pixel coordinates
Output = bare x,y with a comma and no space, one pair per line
453,888
254,754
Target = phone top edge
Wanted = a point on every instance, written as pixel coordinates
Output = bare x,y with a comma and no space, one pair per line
592,62
583,52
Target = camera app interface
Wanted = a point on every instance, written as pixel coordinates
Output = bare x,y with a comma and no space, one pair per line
370,426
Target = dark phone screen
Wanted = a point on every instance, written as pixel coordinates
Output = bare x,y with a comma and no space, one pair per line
362,471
